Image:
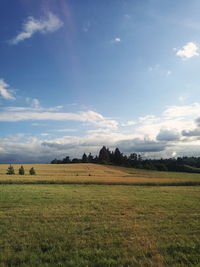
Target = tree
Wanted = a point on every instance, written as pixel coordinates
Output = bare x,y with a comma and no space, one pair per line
84,158
10,170
32,171
90,158
104,156
66,160
54,161
118,157
75,160
21,170
96,159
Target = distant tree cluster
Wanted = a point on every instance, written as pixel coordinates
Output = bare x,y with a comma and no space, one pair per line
180,164
21,170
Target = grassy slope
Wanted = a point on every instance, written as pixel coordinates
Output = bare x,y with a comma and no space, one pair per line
90,225
96,174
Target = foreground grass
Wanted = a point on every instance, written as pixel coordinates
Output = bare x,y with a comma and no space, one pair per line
90,225
96,174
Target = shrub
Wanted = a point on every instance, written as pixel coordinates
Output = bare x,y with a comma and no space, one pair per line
10,170
21,170
32,171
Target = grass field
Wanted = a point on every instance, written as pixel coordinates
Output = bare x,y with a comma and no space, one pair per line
98,224
93,225
96,174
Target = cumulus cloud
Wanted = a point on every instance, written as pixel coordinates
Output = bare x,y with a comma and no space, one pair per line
49,24
40,150
188,51
4,91
141,145
168,135
150,135
194,132
198,122
173,118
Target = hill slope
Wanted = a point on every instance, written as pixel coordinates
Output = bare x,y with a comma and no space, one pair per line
95,174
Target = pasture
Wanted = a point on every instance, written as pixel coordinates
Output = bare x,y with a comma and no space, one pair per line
100,224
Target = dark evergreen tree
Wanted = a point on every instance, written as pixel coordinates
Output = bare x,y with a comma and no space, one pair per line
56,161
104,156
90,158
32,171
75,160
10,170
21,170
84,158
96,159
66,160
118,157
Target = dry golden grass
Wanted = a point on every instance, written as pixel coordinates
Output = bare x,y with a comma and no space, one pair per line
94,174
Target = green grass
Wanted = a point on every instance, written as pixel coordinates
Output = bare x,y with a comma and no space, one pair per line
99,225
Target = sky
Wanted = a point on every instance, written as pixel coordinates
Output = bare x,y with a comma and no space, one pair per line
77,75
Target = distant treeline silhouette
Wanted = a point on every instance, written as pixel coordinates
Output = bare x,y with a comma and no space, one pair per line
180,164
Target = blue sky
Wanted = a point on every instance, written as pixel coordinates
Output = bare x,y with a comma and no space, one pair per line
76,75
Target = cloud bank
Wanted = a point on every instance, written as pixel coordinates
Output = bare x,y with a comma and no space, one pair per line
175,132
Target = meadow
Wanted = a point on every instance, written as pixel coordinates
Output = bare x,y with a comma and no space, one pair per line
95,174
86,224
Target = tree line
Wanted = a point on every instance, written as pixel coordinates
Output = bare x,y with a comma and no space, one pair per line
21,171
105,156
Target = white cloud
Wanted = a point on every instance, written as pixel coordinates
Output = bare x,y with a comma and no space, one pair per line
188,51
182,111
35,103
46,25
174,130
21,114
45,134
116,40
4,92
128,123
66,130
33,149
